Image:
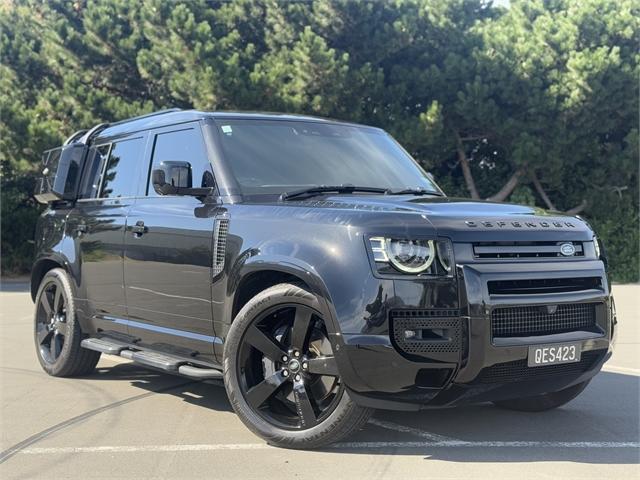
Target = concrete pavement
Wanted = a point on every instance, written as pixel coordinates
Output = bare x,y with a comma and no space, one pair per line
127,422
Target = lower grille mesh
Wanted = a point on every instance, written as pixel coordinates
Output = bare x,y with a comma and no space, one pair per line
519,371
525,321
427,320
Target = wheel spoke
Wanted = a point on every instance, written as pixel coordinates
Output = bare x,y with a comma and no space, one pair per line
305,410
259,394
54,347
269,347
58,301
63,328
300,328
46,303
42,333
323,366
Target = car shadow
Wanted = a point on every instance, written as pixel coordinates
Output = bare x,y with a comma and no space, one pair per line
605,415
208,394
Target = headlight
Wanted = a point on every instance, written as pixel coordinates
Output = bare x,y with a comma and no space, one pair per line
596,245
413,256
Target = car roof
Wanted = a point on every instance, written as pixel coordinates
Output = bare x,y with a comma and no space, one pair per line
176,116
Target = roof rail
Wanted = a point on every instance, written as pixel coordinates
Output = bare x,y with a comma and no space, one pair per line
153,114
74,136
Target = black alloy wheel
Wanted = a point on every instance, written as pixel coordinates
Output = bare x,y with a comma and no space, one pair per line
286,369
57,332
52,329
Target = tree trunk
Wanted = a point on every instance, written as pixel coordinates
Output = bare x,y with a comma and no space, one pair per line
508,187
541,192
577,209
466,169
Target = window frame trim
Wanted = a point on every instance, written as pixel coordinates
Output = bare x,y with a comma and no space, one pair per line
133,136
196,126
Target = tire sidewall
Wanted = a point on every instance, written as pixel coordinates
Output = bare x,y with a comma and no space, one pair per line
277,295
61,364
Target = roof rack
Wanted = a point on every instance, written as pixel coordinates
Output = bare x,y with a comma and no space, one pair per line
153,114
83,136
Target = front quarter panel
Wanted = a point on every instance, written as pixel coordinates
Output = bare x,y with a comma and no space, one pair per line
324,248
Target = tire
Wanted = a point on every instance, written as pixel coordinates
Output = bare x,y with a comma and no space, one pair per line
293,413
545,401
57,333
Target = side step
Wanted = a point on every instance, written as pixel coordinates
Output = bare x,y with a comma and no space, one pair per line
201,373
111,347
161,361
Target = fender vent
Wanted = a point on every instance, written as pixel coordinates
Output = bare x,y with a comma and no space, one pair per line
220,244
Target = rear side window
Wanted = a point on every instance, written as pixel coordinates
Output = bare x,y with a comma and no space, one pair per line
93,170
119,178
173,149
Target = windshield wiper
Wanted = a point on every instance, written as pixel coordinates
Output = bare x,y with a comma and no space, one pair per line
414,191
312,191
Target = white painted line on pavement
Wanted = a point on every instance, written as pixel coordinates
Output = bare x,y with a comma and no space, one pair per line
626,370
342,445
434,437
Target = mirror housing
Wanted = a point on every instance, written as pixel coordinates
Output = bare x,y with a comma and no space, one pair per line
180,181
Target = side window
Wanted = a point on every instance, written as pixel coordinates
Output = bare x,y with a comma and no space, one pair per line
183,158
95,163
120,179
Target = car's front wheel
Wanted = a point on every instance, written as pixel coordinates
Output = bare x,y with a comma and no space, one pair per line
281,375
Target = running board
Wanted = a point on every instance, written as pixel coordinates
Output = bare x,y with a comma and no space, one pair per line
161,361
200,373
111,347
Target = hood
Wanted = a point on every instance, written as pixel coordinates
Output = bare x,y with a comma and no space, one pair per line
469,220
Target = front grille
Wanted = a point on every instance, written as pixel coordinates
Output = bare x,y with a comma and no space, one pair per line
543,285
436,331
519,371
525,321
525,250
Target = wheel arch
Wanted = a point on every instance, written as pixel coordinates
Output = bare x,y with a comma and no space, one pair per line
40,269
258,274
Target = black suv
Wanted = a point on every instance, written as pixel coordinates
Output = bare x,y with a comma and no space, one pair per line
314,267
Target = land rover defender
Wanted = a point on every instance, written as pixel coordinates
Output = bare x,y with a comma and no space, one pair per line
314,267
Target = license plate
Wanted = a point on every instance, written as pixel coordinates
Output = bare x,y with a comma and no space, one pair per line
554,354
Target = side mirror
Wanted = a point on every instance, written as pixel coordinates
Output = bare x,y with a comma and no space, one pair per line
171,176
174,178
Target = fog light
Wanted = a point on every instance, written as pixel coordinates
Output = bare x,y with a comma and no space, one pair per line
409,334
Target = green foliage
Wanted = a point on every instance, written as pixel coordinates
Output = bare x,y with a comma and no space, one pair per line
544,89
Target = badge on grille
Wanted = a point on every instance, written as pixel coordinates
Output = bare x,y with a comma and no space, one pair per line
567,249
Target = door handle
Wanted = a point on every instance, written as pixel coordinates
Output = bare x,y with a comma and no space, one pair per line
139,229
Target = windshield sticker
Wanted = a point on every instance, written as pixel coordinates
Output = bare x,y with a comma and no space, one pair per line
226,129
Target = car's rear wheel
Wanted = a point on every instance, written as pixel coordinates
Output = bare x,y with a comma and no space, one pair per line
545,401
281,375
57,333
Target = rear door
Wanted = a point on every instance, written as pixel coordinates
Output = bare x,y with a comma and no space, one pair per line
97,224
169,250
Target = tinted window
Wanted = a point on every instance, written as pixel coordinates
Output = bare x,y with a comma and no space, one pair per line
95,162
172,149
278,156
119,178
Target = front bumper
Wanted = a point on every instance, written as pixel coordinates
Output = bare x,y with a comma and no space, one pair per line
477,365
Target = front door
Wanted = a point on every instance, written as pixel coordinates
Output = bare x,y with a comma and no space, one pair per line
169,252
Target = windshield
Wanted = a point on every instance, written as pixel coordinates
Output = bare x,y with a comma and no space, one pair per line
275,156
